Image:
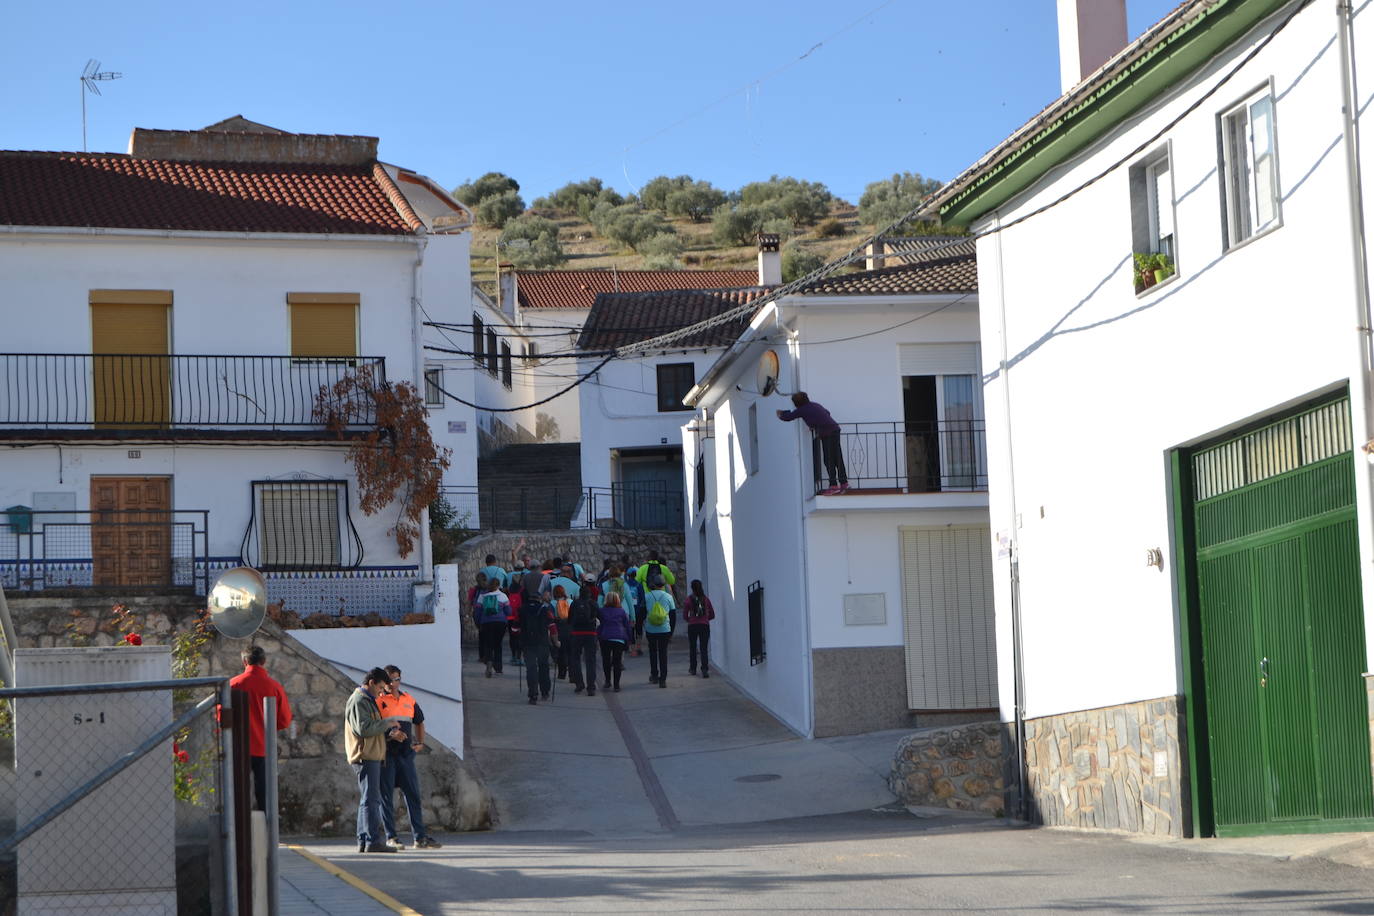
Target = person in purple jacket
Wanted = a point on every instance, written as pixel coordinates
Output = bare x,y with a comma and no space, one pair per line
614,634
827,433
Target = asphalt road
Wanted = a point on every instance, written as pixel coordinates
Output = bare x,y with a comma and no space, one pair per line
870,861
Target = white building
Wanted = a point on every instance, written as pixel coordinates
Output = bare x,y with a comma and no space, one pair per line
551,306
869,609
1181,510
170,317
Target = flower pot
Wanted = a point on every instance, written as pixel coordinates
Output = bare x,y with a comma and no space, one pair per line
1160,274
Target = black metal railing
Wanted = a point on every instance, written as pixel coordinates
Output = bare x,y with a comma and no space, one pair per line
900,457
70,548
641,507
132,391
301,525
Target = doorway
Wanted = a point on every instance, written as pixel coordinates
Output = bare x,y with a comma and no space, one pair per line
131,528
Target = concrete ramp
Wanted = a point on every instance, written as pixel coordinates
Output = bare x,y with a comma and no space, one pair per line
651,759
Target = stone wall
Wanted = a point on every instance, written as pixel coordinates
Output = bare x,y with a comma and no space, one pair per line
317,787
1117,768
958,768
859,690
587,546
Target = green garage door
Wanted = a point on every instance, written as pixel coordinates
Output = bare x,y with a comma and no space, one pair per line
1281,624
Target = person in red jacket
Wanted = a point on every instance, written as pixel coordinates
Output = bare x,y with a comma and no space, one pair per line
259,684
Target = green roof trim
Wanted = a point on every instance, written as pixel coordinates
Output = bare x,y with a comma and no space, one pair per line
1168,61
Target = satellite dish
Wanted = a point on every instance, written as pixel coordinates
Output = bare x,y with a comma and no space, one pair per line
767,377
238,602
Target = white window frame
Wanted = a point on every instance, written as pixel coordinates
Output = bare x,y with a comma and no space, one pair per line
1250,209
1159,206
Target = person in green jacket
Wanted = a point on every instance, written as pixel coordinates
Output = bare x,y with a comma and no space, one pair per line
365,736
645,575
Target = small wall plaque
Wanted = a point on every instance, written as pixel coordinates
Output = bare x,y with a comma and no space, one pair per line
865,610
458,426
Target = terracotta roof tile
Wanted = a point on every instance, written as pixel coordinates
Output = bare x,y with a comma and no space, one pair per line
618,319
951,269
110,190
578,289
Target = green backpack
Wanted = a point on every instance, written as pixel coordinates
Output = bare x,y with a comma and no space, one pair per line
658,615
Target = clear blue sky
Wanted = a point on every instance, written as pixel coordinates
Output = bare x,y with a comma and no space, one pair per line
553,91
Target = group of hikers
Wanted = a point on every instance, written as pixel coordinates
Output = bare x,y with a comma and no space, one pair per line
558,616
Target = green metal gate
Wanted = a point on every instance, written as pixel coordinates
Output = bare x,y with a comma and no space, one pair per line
1279,631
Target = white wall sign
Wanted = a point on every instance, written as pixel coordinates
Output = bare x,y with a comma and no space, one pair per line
457,426
865,610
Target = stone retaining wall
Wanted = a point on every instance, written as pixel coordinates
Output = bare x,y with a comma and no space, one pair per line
957,768
587,546
317,787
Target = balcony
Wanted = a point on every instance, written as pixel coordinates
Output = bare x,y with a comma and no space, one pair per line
86,395
907,458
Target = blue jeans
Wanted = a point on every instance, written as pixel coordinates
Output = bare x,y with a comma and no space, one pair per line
370,800
399,773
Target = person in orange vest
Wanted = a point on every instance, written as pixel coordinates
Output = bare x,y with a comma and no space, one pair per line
259,684
400,708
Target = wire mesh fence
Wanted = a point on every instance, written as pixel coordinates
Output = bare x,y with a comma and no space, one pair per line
110,798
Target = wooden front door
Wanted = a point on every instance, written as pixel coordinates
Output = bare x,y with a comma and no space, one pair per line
131,530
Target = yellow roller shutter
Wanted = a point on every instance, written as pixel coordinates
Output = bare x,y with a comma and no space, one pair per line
131,371
323,324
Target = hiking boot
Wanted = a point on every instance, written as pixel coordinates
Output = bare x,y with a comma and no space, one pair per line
362,844
705,673
663,682
428,842
534,700
380,847
543,696
488,669
605,684
653,678
692,671
578,689
591,691
617,688
396,842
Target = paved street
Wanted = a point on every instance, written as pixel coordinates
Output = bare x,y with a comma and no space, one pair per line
691,799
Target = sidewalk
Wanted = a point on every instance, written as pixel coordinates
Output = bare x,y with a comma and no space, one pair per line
306,889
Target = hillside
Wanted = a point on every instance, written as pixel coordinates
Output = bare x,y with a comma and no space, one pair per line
588,251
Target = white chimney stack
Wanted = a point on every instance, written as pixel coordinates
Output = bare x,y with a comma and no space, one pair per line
770,259
1090,33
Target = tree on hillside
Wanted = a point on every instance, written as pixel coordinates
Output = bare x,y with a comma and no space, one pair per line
798,262
696,202
489,185
579,197
629,224
661,252
654,194
737,225
498,209
530,241
803,202
887,200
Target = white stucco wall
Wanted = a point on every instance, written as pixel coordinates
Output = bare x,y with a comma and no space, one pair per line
551,376
446,292
429,656
620,408
1104,383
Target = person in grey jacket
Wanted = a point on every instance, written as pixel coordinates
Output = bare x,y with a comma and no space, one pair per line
365,736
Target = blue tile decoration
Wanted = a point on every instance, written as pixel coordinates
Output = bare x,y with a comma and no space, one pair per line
385,590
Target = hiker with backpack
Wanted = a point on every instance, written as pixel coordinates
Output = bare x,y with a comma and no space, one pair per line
492,571
656,568
562,603
582,623
698,613
614,635
490,613
657,628
538,632
634,606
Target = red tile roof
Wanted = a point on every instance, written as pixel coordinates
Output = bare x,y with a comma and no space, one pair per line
111,190
578,289
936,266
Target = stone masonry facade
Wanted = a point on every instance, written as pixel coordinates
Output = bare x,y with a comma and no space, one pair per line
1115,768
587,546
960,768
317,787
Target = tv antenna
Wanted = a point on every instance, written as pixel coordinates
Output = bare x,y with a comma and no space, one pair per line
90,77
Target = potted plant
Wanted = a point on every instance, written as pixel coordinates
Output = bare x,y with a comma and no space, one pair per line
1162,266
1144,271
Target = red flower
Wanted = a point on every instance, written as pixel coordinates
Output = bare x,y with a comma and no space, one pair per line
134,639
182,756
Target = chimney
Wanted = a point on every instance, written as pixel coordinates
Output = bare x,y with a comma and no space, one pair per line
1090,33
770,259
508,295
874,259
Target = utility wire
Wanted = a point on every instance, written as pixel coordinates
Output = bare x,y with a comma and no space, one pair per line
557,394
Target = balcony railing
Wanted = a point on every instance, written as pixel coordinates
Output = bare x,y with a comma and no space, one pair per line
649,506
131,391
900,457
148,548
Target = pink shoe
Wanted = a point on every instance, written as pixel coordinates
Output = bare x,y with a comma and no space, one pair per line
833,491
844,488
